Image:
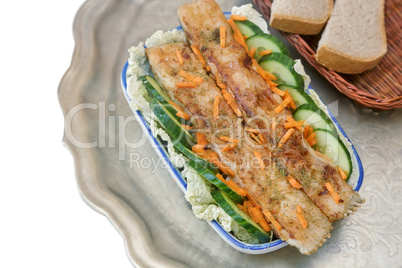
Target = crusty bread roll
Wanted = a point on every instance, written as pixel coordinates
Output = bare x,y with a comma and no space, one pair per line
300,16
354,39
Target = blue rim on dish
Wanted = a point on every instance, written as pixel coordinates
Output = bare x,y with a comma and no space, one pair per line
230,239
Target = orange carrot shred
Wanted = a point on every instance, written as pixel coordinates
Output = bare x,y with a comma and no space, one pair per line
241,207
293,182
175,106
179,57
278,91
311,137
270,83
285,137
237,34
296,124
273,124
257,216
208,68
259,159
292,103
186,127
216,106
220,83
255,138
186,84
343,175
262,138
252,200
283,105
252,51
224,138
201,140
229,146
183,115
333,193
199,55
312,142
271,76
231,102
253,130
265,52
238,17
323,156
306,131
300,217
236,188
271,218
190,77
221,178
223,36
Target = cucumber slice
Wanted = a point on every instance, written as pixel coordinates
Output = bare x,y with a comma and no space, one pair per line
299,96
332,146
315,117
171,123
240,217
247,28
194,157
281,66
266,41
154,89
209,176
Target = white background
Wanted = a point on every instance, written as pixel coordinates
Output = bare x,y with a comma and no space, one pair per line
43,220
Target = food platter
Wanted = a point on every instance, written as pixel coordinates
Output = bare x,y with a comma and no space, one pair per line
356,180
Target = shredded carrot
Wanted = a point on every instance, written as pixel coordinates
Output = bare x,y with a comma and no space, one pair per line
278,91
262,138
312,142
252,200
224,138
289,118
236,188
186,84
221,178
300,217
283,105
259,159
285,137
216,106
271,218
179,57
229,146
257,216
343,175
259,69
252,130
271,76
242,208
310,131
237,34
293,182
247,204
265,52
220,83
333,193
180,111
296,124
231,102
198,149
221,166
292,103
190,77
311,137
186,127
273,124
252,51
270,82
199,55
208,68
183,115
323,156
255,138
223,35
201,140
306,131
238,17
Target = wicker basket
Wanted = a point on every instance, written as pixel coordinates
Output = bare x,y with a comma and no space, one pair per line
379,88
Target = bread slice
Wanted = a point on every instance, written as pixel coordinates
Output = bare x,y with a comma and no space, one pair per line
354,39
300,16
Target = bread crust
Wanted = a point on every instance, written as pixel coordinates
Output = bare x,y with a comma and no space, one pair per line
296,25
299,25
345,63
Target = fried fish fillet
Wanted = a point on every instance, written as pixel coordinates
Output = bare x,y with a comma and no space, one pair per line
268,186
201,20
